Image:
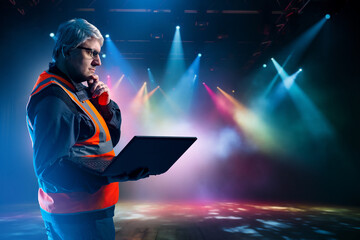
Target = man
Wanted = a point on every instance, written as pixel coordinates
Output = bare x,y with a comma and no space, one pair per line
68,122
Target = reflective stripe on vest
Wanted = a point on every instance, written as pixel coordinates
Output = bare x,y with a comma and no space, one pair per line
98,145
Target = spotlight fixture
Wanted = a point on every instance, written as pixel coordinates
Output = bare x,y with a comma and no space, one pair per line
177,27
300,69
264,65
104,55
52,35
148,69
199,55
327,16
107,35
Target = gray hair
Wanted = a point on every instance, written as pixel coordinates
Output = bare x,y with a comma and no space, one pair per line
73,33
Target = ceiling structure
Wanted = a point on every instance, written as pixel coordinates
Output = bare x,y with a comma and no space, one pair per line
232,33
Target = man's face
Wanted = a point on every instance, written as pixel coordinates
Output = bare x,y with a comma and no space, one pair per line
81,63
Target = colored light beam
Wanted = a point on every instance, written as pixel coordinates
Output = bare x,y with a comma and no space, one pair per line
273,81
116,64
138,99
281,90
296,49
185,88
149,115
151,78
315,121
289,81
148,96
118,82
302,43
145,92
280,69
176,64
146,105
174,107
108,81
211,92
253,127
220,103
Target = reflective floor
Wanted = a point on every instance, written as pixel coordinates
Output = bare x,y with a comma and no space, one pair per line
211,221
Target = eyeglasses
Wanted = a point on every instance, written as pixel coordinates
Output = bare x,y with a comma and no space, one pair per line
92,53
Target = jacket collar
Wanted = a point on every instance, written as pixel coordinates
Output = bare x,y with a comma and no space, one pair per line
81,91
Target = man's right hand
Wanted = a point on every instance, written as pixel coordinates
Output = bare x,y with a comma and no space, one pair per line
99,90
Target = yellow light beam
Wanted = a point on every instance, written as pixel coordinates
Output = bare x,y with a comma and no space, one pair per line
252,125
171,103
118,82
147,96
136,102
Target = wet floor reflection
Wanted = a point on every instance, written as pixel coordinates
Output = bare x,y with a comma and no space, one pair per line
212,221
231,220
22,221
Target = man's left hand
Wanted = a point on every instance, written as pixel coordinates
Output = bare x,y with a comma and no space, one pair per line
134,175
99,90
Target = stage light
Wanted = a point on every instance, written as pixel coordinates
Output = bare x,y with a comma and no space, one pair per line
199,55
148,69
327,16
175,64
300,69
107,35
264,65
104,55
177,27
52,35
272,59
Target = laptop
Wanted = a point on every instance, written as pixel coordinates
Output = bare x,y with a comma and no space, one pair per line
157,153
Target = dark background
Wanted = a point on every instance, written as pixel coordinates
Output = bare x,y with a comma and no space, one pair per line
234,47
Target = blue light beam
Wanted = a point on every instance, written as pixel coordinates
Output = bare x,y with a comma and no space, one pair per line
175,66
153,83
184,90
116,64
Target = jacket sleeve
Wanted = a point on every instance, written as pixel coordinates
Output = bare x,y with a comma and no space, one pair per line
54,130
112,116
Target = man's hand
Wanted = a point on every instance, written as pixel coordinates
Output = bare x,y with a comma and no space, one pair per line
136,174
99,90
139,173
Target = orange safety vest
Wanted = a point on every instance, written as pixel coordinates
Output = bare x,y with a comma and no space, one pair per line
99,145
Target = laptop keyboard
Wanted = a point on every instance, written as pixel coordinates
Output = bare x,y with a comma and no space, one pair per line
95,164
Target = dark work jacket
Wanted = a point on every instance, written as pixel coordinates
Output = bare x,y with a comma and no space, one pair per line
62,125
